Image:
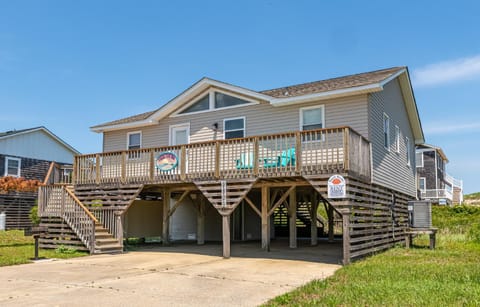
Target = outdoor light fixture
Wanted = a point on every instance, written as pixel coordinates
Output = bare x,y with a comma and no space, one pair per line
215,126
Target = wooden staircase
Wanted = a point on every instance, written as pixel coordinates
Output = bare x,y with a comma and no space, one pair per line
105,243
234,191
119,196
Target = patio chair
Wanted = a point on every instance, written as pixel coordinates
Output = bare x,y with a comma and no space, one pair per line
286,158
245,161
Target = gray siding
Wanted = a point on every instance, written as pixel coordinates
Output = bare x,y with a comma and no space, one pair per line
36,145
389,167
260,119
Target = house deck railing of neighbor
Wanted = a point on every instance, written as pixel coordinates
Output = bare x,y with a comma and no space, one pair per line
436,194
453,181
298,153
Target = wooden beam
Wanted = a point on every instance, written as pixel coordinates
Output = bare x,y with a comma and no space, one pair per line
177,203
226,235
166,216
292,219
265,219
331,222
201,213
252,205
346,237
313,218
281,200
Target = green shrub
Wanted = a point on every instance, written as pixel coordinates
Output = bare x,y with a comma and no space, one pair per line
474,233
65,250
33,215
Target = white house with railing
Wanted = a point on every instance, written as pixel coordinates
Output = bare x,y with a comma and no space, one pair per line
433,182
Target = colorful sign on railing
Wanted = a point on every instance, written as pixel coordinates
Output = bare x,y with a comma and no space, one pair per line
166,161
336,187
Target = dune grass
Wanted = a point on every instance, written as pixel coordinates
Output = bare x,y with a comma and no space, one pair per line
447,276
15,248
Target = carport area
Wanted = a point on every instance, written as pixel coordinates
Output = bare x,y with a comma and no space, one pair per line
175,275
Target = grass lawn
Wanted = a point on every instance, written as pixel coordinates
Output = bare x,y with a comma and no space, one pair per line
15,248
447,276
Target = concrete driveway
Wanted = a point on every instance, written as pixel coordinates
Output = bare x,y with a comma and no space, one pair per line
178,275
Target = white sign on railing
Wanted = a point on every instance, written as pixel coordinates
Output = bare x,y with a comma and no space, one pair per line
336,187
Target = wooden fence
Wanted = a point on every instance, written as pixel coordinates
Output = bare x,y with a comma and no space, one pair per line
297,153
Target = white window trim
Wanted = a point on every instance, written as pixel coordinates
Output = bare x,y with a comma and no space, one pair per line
419,164
397,139
409,149
300,114
424,183
387,146
211,93
170,132
234,118
19,166
128,138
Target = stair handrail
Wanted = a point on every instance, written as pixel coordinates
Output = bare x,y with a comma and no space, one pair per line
79,203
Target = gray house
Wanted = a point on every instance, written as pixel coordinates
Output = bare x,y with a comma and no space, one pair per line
434,183
247,154
31,153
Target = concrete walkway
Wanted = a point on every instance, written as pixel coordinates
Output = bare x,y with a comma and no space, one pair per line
179,275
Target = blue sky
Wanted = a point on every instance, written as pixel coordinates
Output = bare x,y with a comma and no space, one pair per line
69,65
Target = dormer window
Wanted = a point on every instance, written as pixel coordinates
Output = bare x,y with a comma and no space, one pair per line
215,100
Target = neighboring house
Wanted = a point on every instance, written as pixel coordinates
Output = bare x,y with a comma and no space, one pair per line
29,153
434,183
253,155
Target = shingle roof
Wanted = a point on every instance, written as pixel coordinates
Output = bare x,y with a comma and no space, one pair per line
12,132
361,79
129,119
339,83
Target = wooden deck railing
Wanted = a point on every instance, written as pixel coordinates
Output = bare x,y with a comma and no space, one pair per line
58,201
323,151
58,174
110,218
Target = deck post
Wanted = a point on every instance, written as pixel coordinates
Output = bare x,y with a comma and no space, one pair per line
119,228
201,222
166,217
265,218
313,220
226,234
298,152
292,218
331,222
346,236
152,165
97,169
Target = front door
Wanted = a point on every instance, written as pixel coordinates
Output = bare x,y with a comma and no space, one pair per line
179,135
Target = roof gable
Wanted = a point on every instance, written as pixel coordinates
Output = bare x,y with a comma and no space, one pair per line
16,133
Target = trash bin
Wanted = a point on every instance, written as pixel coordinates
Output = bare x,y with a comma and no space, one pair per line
3,218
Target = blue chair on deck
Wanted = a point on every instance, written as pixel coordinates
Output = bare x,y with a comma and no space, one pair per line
286,158
245,161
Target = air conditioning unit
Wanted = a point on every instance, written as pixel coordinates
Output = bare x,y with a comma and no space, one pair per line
420,214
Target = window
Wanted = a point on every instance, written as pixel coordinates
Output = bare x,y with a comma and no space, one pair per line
234,127
419,159
421,183
223,101
201,105
312,118
386,131
397,139
215,100
12,167
134,140
409,147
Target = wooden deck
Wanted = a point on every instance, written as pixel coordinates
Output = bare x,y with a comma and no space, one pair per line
300,153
